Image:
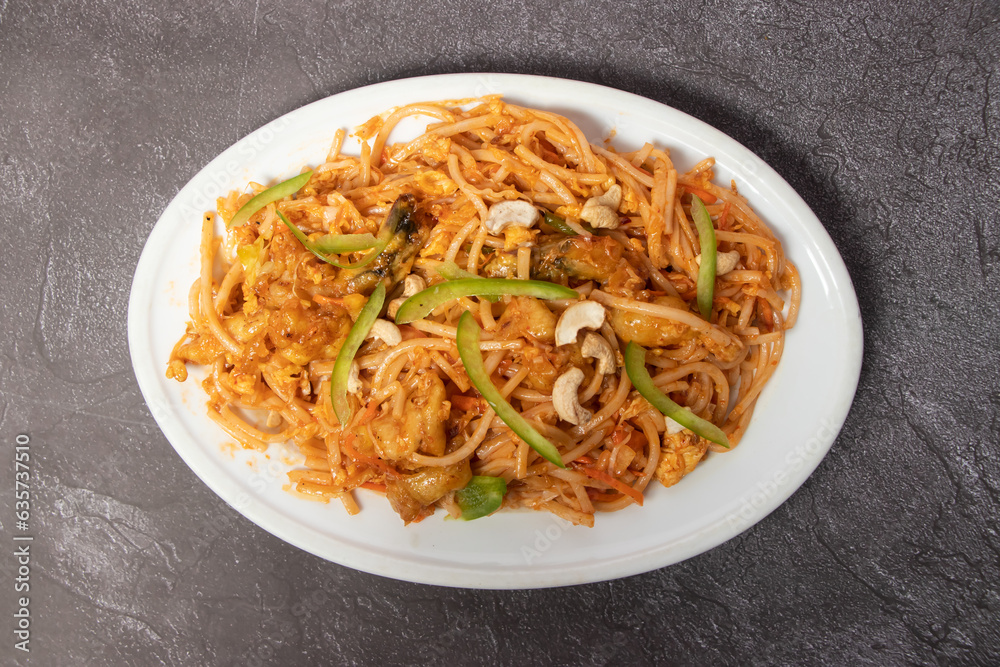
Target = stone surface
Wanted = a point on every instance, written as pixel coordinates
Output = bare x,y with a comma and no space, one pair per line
885,116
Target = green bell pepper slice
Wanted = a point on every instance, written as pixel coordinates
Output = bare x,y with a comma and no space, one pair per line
452,271
356,336
273,194
481,496
424,302
706,238
339,243
472,359
635,366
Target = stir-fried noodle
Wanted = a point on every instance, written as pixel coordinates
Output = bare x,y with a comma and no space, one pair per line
618,229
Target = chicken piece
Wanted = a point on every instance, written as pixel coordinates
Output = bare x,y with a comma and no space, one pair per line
542,373
526,316
651,331
545,364
422,425
679,454
409,494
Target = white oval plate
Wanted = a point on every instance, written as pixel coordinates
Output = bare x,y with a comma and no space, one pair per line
797,418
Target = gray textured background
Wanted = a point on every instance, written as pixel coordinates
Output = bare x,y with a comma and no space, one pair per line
883,115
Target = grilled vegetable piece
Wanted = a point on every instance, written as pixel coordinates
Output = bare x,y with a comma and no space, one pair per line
576,257
403,234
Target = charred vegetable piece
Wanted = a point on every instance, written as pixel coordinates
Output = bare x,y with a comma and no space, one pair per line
452,271
278,192
706,238
356,336
481,496
403,236
336,244
577,257
472,359
635,366
423,303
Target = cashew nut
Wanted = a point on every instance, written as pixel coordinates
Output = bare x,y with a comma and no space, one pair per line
504,214
411,285
387,332
565,399
354,379
581,315
724,261
602,212
596,347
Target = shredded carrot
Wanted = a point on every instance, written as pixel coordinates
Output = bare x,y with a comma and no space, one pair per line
602,496
466,403
368,414
327,300
706,197
765,313
585,459
637,441
723,222
374,486
611,481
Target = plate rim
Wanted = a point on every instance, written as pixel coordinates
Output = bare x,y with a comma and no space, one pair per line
485,577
